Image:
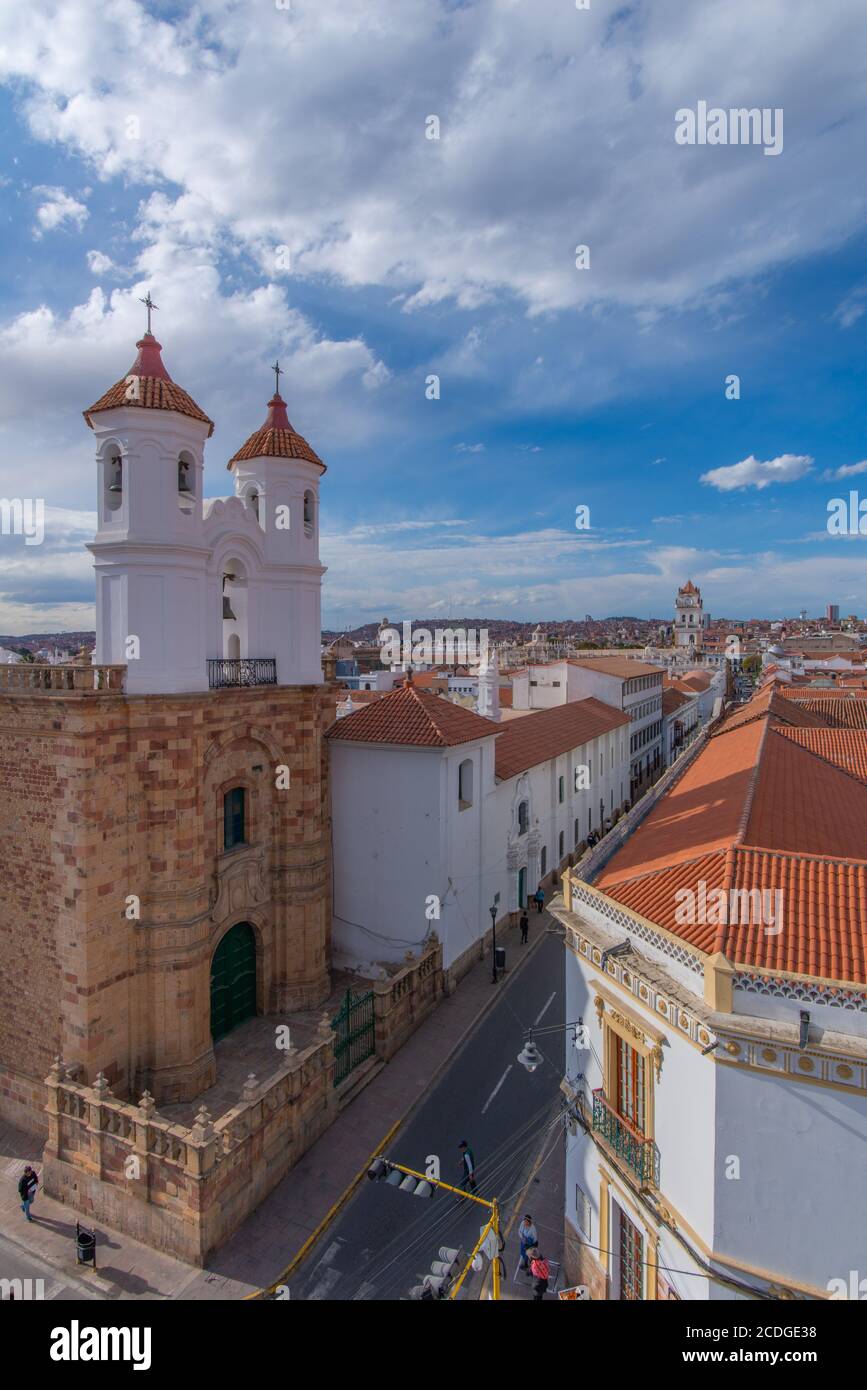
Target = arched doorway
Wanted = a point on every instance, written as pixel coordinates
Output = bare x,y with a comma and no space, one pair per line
233,980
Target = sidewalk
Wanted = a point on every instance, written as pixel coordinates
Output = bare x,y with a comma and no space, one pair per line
542,1199
266,1243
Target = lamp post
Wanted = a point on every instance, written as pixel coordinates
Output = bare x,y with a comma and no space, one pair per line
493,911
530,1056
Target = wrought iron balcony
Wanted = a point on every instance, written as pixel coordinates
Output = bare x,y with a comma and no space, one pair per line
639,1154
244,670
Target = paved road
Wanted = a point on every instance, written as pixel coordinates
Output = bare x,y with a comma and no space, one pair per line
15,1265
384,1240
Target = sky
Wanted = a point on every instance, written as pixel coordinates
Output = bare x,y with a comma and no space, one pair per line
266,170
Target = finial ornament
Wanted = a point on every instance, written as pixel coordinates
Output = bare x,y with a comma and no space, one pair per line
278,372
149,305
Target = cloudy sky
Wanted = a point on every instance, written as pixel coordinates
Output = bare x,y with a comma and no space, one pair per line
263,168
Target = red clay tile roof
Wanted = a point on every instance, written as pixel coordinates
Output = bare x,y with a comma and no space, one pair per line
845,748
154,390
839,709
672,699
411,716
547,733
768,702
276,439
620,666
758,809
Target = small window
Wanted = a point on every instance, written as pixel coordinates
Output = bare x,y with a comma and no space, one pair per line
465,785
544,860
523,818
562,844
561,789
234,817
577,831
308,513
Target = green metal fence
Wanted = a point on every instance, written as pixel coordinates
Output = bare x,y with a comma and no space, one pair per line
354,1033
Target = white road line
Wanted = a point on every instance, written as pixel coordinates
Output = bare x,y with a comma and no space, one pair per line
546,1008
497,1087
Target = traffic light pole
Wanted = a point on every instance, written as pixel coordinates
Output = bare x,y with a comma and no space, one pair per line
493,1224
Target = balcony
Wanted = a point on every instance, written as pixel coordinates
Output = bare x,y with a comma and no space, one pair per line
638,1153
225,672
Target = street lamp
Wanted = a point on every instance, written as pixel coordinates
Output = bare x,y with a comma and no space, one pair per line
530,1056
493,911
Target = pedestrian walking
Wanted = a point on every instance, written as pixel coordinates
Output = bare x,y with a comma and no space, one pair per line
541,1272
468,1166
525,927
528,1236
539,898
27,1185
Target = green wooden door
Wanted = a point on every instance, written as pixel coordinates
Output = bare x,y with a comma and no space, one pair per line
233,980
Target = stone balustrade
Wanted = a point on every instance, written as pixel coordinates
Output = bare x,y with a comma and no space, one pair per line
402,1002
183,1189
34,676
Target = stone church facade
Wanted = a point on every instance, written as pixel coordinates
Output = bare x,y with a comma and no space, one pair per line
164,825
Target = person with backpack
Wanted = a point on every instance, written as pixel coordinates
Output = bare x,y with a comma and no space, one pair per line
27,1185
539,898
468,1166
541,1273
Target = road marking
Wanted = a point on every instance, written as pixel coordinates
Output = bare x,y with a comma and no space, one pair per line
546,1008
496,1088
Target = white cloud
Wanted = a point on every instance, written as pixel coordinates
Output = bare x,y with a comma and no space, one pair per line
758,473
852,307
99,264
499,203
57,208
470,448
847,470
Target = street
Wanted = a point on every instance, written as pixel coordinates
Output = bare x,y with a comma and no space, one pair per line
20,1274
384,1241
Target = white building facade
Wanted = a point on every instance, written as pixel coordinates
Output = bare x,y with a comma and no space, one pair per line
440,815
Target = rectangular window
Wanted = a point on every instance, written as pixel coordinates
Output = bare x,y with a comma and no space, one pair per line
582,1211
630,1085
233,818
561,789
630,1260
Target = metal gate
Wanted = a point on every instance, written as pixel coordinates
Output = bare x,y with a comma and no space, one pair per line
354,1033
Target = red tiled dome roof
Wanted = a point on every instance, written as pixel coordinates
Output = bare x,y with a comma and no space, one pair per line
156,390
276,439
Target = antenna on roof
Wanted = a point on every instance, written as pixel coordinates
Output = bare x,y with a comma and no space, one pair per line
149,305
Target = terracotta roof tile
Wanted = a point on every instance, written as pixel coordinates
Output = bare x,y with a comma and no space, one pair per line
760,809
549,732
413,717
620,666
153,388
276,439
840,709
845,748
673,699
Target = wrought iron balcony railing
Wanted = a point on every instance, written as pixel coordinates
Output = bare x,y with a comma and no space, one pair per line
244,670
639,1154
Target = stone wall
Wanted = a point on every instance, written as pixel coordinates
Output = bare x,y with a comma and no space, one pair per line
183,1190
404,1001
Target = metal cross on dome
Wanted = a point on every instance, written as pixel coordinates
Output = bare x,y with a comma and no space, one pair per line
149,305
278,372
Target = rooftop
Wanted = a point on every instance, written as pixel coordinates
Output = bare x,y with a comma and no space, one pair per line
547,733
153,388
413,717
765,805
276,439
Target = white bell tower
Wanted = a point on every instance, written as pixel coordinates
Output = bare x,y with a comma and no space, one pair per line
277,474
149,553
688,617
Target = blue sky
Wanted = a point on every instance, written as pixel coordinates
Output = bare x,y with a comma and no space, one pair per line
177,148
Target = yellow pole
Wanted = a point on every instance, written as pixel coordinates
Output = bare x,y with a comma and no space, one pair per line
495,1262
